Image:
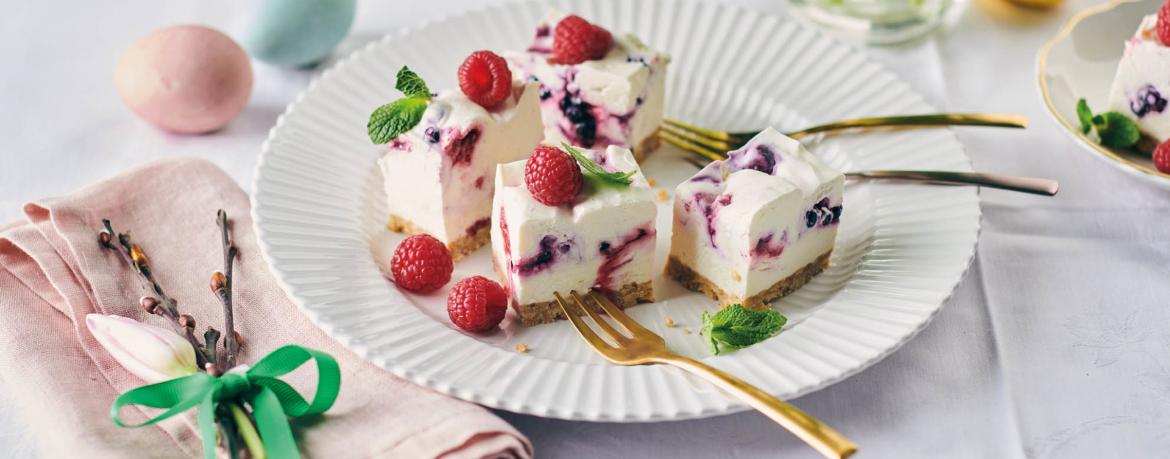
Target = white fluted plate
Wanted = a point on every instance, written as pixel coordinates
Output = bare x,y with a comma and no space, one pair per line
901,249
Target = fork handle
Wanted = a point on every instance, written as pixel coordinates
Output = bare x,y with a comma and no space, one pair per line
941,119
1033,185
820,436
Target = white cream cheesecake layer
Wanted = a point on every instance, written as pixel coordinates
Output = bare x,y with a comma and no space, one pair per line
1143,81
621,94
440,175
602,239
756,218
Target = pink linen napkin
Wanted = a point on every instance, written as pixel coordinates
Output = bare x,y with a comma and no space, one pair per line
53,272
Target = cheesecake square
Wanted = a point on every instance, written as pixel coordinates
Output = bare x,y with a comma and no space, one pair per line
440,175
615,100
756,226
603,239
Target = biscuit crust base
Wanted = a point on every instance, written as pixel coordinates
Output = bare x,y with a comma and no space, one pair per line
549,311
647,145
459,248
690,279
1146,144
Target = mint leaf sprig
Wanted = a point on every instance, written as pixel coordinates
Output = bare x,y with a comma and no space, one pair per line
391,120
622,178
411,84
1114,129
736,326
1085,115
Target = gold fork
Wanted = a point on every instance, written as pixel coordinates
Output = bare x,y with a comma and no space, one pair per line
726,141
644,347
713,145
1030,185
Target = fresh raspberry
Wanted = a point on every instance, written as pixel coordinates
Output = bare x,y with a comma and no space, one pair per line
1163,26
1162,157
421,263
553,177
485,78
575,40
477,304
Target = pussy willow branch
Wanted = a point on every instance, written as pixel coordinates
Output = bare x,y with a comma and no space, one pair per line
230,343
237,440
169,308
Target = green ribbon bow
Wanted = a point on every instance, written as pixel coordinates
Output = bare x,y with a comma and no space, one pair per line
272,400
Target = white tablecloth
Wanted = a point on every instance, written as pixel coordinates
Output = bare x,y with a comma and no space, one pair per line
1056,344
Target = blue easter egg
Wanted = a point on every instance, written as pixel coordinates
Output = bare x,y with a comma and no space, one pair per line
298,33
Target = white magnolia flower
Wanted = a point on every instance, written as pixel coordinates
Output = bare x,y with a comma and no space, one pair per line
152,353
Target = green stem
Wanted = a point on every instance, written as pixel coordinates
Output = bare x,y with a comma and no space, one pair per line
231,437
248,432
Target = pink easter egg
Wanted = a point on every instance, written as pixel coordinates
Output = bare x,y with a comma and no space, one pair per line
186,79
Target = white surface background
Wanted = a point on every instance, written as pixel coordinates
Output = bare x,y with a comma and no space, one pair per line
1057,343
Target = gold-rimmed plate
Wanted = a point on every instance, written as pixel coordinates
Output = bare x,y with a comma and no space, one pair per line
1080,62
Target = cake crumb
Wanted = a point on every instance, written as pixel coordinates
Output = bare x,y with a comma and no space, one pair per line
686,331
735,276
522,348
662,195
669,323
651,181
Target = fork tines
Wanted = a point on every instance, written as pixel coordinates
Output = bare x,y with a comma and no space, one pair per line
603,304
708,144
704,154
734,140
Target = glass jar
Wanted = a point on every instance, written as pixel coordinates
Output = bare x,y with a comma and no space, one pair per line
875,21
